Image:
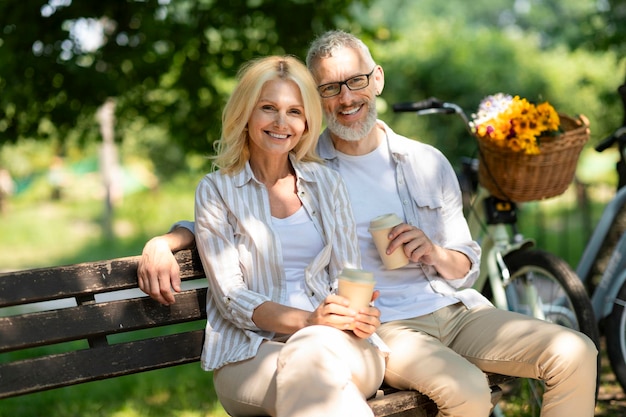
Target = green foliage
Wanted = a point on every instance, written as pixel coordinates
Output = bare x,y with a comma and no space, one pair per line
603,29
163,61
463,51
170,64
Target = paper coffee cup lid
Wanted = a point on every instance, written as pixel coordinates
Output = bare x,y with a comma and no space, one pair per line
357,275
385,221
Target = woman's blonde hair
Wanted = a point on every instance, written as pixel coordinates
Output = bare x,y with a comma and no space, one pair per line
233,147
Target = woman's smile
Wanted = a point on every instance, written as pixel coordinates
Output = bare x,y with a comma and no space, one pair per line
277,122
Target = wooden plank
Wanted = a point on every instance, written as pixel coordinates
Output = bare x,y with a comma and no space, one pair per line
399,402
92,320
66,281
497,379
414,404
55,371
43,284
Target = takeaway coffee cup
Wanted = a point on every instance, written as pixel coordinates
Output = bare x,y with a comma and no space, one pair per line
357,286
379,228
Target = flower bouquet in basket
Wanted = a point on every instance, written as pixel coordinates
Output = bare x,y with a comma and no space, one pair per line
527,151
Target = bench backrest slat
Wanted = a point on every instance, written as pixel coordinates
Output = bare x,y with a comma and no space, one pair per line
100,319
45,284
39,374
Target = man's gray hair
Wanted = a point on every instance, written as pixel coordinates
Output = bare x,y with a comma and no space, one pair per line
327,44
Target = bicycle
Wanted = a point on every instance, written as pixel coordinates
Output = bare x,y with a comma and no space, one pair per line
515,275
605,255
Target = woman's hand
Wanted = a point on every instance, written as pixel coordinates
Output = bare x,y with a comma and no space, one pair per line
158,272
335,312
367,320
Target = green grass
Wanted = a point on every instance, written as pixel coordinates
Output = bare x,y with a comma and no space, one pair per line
181,391
37,231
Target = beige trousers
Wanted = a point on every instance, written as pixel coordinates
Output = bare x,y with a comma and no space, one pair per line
442,355
319,371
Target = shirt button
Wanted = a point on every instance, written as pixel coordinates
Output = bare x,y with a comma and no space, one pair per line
405,202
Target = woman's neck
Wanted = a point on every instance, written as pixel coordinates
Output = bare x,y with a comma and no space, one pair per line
269,171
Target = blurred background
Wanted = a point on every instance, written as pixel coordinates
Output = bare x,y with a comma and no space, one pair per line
108,111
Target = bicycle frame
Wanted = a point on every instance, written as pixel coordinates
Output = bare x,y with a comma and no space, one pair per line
614,276
605,294
496,243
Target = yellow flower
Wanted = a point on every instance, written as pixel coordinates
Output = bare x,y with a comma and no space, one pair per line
514,122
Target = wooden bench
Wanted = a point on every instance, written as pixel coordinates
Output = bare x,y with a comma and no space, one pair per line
95,303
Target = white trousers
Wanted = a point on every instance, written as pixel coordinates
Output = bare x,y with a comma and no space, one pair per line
319,371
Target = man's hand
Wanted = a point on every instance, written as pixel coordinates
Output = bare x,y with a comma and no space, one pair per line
416,245
158,272
450,264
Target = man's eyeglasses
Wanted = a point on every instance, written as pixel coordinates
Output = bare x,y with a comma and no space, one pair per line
358,82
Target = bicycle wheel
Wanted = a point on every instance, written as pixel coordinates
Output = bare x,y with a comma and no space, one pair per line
544,286
615,334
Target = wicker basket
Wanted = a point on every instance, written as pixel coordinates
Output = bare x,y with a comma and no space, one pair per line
519,177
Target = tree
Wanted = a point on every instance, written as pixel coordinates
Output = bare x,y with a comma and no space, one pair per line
605,29
166,61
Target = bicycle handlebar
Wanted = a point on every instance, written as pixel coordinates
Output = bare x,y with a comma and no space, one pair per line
432,105
620,134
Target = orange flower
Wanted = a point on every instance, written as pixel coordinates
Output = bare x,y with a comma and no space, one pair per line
514,122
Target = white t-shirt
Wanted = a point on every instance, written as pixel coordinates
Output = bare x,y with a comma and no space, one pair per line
402,294
300,242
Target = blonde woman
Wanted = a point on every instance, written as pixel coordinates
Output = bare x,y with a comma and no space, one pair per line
274,228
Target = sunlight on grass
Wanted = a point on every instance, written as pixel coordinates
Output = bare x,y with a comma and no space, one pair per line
180,391
39,232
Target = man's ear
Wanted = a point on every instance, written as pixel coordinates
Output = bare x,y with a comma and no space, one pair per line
379,79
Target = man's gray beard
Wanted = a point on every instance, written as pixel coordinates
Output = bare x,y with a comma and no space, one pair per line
355,132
